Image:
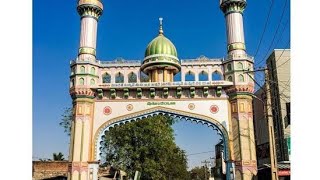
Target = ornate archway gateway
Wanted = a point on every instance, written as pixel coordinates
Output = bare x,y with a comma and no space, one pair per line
216,125
109,93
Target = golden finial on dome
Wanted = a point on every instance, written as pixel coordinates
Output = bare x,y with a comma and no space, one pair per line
160,30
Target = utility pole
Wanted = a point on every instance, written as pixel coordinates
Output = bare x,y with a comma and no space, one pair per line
205,168
272,148
267,110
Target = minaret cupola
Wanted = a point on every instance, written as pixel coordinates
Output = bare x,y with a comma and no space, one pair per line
161,61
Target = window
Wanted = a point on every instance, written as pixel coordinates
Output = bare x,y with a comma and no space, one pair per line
82,69
241,78
93,70
288,112
190,76
229,68
216,76
72,82
92,82
81,81
119,78
132,78
106,78
230,78
73,70
239,66
203,76
177,77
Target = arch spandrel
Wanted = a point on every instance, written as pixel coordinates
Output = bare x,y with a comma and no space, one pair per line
118,109
221,127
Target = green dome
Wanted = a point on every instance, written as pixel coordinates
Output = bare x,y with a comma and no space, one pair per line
161,53
161,45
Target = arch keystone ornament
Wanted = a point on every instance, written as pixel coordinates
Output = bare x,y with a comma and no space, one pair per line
108,96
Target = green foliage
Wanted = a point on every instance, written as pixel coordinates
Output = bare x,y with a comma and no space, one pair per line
66,120
58,157
147,146
199,173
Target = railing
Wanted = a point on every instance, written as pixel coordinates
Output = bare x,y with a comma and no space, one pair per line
112,63
200,60
166,84
240,56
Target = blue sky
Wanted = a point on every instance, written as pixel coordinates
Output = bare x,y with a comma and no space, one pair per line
124,30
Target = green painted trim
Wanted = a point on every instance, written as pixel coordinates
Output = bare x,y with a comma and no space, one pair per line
84,98
236,46
84,74
100,93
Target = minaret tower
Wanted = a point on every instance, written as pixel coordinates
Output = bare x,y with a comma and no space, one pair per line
83,77
242,141
90,11
233,10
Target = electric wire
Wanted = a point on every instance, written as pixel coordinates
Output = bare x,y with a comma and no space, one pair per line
275,35
265,27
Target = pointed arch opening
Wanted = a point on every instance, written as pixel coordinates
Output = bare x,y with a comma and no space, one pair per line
239,66
190,76
132,77
203,76
119,78
241,78
82,69
93,70
81,81
216,76
92,82
106,78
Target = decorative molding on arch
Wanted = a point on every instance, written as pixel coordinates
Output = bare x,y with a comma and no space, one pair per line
174,113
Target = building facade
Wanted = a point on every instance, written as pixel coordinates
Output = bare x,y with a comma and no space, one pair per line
278,79
106,94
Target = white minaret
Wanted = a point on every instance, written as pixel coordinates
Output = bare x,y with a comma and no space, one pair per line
233,10
90,11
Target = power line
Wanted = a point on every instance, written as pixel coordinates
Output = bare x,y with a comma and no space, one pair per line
275,35
199,153
264,29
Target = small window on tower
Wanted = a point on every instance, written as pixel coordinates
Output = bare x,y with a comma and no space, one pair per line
240,66
73,70
93,70
82,69
229,68
72,82
81,81
92,82
230,78
241,78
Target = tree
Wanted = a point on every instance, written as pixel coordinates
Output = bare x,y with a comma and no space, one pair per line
199,173
66,120
147,146
58,157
